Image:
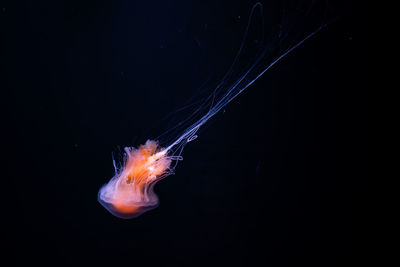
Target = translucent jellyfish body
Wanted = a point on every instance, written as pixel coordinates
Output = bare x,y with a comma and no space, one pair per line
130,192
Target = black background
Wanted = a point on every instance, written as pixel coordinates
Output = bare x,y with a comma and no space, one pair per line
271,181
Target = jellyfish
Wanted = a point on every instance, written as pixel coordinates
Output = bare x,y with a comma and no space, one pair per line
130,192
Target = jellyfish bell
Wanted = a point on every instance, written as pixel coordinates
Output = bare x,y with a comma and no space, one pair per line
130,192
125,201
124,209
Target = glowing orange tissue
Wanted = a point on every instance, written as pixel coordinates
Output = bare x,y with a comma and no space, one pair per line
130,192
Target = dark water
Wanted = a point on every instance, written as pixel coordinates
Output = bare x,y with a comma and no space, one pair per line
271,181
